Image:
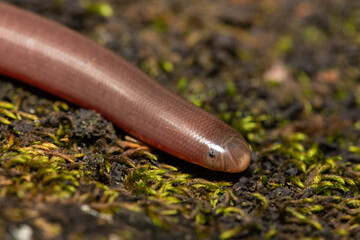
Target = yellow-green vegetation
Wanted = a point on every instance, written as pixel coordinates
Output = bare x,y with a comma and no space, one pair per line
9,111
48,171
101,9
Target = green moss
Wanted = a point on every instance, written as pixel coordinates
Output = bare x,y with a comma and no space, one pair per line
284,44
314,35
303,219
160,23
101,9
167,66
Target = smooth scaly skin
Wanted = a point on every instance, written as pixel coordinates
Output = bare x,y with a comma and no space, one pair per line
61,61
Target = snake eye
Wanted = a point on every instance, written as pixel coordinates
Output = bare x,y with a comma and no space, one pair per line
211,154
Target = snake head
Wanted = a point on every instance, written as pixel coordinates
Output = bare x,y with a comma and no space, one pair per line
230,154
